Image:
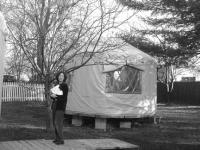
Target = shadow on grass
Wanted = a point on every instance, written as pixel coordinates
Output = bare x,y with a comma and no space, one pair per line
11,134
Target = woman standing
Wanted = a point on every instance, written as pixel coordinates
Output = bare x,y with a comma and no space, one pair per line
58,107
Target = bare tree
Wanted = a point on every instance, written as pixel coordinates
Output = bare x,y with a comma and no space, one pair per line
17,63
52,33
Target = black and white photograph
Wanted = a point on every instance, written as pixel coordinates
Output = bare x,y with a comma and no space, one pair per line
100,75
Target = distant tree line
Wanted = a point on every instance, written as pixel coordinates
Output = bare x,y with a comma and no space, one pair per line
171,34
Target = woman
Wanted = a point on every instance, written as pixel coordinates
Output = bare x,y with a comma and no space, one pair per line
58,107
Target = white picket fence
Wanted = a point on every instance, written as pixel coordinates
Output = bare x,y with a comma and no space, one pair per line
14,91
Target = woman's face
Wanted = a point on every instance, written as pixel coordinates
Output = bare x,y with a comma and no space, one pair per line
61,77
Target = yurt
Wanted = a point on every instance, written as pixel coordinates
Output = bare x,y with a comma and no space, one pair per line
125,88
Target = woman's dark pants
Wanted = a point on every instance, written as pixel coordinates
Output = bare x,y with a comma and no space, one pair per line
58,118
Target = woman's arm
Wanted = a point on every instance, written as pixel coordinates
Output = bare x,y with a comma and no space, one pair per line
64,88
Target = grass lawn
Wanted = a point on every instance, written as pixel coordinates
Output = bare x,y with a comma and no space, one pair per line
179,127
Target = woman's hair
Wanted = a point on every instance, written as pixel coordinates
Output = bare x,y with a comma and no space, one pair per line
57,76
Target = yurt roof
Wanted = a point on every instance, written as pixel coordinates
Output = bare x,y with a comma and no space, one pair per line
124,54
128,54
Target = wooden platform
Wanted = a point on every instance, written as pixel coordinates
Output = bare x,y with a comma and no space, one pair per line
82,144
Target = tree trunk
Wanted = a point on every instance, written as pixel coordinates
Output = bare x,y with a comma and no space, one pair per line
170,87
168,93
49,119
168,97
169,82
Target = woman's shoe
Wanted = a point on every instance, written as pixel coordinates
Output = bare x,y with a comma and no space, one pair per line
55,140
59,142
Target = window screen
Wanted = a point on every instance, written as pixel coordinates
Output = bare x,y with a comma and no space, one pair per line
125,80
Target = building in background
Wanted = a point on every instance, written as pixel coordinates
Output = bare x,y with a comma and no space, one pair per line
187,74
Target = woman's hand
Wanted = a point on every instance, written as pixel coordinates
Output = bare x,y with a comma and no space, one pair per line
53,95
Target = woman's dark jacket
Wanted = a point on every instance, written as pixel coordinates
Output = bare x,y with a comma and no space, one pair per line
59,103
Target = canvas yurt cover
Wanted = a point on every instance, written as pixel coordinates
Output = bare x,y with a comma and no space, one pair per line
126,89
3,33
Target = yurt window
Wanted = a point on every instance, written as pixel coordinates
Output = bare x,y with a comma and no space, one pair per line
125,80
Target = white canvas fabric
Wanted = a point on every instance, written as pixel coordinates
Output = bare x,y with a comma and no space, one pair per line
3,33
3,26
88,95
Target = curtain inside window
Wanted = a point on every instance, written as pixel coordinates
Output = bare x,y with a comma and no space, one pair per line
124,80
